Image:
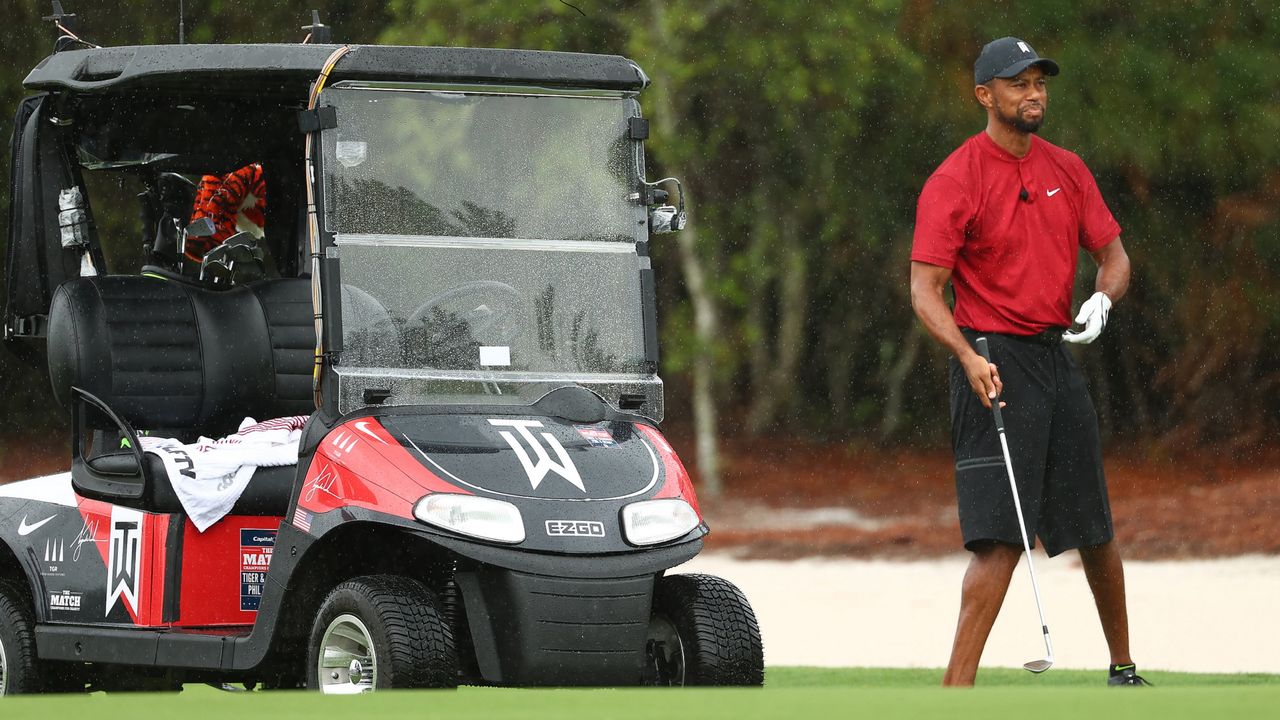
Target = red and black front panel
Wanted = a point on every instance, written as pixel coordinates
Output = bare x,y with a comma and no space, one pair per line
569,480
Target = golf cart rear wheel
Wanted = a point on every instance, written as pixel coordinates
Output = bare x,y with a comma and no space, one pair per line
18,673
702,632
378,632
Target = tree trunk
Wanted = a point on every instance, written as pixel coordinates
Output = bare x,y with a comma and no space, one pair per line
756,329
792,312
839,370
777,392
706,330
895,381
706,322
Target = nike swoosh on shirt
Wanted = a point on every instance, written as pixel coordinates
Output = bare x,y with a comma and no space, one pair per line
1053,192
25,529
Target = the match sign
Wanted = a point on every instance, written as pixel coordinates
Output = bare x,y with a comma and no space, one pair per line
255,558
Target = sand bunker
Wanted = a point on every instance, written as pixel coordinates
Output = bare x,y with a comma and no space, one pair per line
1201,615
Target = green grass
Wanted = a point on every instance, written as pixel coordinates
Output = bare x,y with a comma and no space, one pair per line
791,693
813,677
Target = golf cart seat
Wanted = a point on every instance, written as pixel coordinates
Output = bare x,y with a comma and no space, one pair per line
142,352
267,494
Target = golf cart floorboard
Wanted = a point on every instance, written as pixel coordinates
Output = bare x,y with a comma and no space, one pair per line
211,648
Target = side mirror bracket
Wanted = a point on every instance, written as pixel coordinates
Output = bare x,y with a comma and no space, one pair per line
665,218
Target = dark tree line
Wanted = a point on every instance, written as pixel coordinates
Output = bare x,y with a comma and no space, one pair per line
804,132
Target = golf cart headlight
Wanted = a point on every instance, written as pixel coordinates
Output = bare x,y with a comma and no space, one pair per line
654,521
479,517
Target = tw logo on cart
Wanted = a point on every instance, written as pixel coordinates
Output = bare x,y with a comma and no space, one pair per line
537,471
575,528
124,563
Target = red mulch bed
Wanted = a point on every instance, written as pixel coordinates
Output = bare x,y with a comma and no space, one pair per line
1163,509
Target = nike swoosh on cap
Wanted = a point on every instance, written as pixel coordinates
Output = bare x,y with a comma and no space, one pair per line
25,529
1052,192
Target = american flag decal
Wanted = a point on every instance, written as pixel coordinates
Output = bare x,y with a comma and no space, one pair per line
302,520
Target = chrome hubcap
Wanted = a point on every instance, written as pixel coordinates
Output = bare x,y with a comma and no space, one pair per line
4,667
347,663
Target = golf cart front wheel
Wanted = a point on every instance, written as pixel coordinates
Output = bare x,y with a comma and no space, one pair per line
379,632
18,674
702,632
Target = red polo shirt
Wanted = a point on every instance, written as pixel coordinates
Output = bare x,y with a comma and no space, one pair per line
1013,261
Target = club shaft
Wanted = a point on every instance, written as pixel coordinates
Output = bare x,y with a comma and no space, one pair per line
1022,526
985,351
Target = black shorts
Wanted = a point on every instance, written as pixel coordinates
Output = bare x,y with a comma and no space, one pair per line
1052,431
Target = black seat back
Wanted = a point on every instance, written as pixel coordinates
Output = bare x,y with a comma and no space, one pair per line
164,354
286,305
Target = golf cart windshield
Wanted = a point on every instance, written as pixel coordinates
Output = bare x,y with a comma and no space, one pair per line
487,240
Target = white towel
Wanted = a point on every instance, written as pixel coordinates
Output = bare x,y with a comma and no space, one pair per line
208,476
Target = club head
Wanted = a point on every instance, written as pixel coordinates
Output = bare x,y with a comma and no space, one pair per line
1038,666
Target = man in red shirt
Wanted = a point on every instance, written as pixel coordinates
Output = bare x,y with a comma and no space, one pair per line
1002,220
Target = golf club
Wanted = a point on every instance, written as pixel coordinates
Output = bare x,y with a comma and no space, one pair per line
1035,666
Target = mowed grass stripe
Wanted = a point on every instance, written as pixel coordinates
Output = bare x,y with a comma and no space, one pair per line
790,693
788,677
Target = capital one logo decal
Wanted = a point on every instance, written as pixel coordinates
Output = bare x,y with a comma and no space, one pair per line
125,559
538,470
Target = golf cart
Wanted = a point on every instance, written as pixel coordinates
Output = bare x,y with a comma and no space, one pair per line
451,286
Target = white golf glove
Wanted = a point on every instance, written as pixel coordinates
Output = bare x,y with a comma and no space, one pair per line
1093,315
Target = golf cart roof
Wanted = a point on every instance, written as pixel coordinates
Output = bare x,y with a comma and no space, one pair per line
289,69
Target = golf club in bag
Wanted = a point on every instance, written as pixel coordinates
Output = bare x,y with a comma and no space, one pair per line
1035,666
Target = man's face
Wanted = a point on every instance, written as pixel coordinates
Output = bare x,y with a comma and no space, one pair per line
1019,101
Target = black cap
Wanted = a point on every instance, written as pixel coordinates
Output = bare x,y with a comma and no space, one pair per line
1005,58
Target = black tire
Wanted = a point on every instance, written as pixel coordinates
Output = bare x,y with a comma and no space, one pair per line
408,637
716,637
19,670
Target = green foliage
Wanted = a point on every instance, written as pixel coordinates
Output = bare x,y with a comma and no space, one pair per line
803,132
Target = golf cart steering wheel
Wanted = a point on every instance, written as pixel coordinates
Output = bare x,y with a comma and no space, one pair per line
485,305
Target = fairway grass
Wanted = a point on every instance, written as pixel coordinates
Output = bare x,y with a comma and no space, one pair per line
793,693
804,677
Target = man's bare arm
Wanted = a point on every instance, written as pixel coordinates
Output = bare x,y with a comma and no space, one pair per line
1110,284
1113,269
927,283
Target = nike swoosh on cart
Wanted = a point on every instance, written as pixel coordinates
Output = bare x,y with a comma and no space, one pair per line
25,529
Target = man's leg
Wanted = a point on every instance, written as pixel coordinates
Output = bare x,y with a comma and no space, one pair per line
1105,572
1076,491
985,584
